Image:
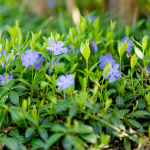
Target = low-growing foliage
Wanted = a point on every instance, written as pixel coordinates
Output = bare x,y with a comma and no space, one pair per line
75,91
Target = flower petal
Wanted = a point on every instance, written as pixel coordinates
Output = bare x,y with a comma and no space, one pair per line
126,38
60,44
29,52
38,66
61,78
26,63
64,50
112,79
118,74
50,48
102,65
129,49
116,67
102,58
130,43
57,52
108,56
52,43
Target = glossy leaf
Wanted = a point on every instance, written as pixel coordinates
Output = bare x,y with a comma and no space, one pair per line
52,139
14,97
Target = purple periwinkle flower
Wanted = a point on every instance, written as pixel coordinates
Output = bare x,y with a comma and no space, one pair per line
114,73
106,59
130,44
148,70
65,81
39,64
93,46
57,48
3,78
29,58
51,3
70,49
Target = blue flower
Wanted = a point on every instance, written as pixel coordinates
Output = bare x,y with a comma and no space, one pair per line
114,73
93,46
3,78
57,48
129,42
52,67
29,58
70,49
39,64
106,59
6,58
65,81
148,70
51,3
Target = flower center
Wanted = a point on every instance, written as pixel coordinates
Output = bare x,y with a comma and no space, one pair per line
56,48
30,58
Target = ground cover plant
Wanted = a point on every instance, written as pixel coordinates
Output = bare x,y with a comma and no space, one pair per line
83,90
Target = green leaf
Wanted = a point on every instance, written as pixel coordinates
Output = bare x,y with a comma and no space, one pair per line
119,100
43,133
24,81
133,61
62,56
85,50
45,55
137,42
83,129
9,142
147,56
132,123
91,69
17,116
10,83
117,112
52,139
59,67
90,138
106,69
144,42
37,143
96,126
75,141
43,84
127,143
2,116
58,128
63,105
122,48
29,132
52,98
139,113
138,52
141,103
79,37
73,68
3,90
73,110
123,112
14,97
38,77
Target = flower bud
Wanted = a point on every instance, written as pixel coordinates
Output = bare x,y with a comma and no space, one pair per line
24,104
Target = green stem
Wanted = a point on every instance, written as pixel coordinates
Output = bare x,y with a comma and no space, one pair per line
6,75
32,84
120,63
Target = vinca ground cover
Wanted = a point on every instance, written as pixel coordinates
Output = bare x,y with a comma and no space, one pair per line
86,89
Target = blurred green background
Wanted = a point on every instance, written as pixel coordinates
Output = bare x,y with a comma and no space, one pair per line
59,15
